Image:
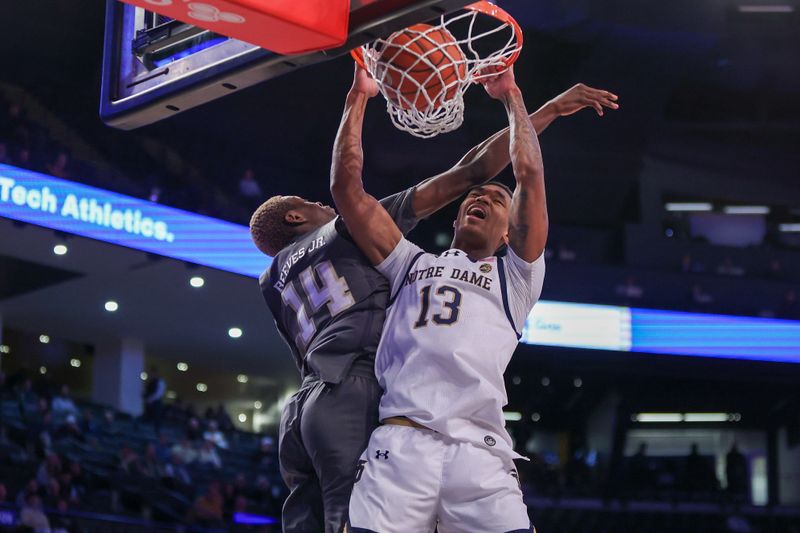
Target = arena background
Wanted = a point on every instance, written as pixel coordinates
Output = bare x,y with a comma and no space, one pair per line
686,200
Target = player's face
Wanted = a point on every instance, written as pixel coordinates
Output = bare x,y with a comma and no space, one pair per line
484,213
313,213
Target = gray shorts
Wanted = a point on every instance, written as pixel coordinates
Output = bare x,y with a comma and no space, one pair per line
324,429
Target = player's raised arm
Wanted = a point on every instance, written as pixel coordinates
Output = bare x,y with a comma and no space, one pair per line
485,160
527,223
368,222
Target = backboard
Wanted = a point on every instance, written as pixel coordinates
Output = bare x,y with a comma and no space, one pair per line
155,67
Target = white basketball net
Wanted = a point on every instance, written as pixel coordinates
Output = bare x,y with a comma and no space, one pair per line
418,113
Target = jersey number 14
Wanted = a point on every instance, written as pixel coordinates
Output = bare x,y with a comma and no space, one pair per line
332,292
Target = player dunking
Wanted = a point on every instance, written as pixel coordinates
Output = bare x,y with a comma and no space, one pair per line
329,305
442,457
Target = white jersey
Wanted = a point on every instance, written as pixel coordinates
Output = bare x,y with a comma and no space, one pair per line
452,326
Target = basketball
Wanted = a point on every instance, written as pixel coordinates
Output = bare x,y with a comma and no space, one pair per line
432,62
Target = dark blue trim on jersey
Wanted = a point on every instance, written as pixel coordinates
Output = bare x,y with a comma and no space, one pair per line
362,530
405,277
504,291
529,530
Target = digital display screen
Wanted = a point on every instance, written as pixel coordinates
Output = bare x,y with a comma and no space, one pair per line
132,222
142,225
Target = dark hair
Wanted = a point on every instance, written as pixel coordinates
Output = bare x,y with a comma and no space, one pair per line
497,184
268,226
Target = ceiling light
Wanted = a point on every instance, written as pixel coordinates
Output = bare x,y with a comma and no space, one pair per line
789,228
44,339
111,306
766,8
241,378
43,370
578,382
257,404
516,380
545,381
512,416
201,387
183,367
60,249
5,348
197,282
242,417
536,417
658,417
171,394
143,376
746,210
76,363
705,417
234,333
688,206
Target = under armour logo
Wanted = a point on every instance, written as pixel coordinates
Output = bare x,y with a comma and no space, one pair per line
489,440
381,455
454,253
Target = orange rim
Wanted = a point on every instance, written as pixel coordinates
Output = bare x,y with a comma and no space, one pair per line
484,7
487,8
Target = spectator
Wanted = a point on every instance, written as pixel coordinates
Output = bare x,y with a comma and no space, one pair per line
700,474
265,455
28,399
163,448
49,469
32,515
176,471
154,391
630,290
728,268
699,297
24,159
208,455
62,403
52,493
566,254
689,265
207,509
89,425
193,430
3,493
184,451
223,418
151,466
775,271
59,167
70,430
32,487
78,478
4,158
736,472
790,308
129,461
214,435
639,468
249,187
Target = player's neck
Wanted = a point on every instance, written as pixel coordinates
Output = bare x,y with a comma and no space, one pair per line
473,249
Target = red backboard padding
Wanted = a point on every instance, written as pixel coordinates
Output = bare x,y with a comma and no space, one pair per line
281,26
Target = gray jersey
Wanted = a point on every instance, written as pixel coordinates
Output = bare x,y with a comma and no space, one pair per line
328,302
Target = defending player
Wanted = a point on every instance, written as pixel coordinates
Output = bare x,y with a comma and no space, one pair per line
442,457
329,304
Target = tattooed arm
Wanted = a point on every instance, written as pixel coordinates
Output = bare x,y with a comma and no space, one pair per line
527,224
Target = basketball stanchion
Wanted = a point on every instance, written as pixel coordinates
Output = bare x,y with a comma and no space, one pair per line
424,70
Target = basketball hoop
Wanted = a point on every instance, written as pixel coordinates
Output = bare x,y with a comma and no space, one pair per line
489,40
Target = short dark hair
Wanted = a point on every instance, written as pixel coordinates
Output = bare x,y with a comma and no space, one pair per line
268,226
496,183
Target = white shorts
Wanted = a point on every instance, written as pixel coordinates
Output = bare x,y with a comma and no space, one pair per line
414,480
